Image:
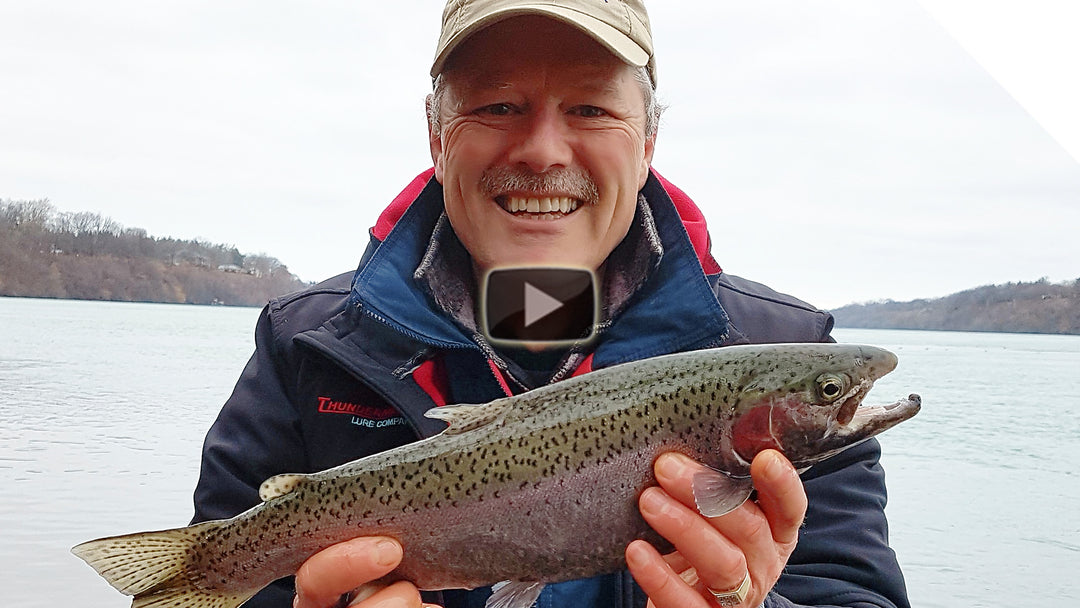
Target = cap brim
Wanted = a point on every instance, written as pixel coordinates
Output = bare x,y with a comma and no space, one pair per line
612,39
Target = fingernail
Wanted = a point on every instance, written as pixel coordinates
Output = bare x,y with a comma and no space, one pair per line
669,466
389,552
652,501
635,555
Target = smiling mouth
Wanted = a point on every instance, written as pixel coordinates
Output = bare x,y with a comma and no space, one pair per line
541,208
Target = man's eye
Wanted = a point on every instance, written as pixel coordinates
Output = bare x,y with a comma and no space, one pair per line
497,109
590,111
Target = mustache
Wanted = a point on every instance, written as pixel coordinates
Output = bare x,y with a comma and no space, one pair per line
572,182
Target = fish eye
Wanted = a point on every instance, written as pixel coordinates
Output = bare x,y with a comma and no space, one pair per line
830,387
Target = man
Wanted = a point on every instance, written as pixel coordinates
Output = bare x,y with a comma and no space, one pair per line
542,130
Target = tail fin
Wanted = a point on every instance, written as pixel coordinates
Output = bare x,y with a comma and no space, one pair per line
153,567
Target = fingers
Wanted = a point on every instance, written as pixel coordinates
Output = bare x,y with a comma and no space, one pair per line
777,515
720,562
664,586
401,594
754,540
780,495
339,569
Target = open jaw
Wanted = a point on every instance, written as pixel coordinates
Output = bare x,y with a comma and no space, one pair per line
538,207
853,417
864,421
877,418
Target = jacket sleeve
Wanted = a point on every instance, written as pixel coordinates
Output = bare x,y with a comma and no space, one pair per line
843,556
255,436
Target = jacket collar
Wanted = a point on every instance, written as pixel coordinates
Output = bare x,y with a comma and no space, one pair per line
443,270
676,309
385,287
673,310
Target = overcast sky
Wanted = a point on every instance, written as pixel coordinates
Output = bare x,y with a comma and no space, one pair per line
842,150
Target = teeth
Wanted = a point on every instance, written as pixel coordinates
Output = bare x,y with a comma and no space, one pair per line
541,205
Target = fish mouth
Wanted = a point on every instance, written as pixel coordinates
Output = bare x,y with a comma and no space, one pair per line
863,422
539,207
877,418
852,415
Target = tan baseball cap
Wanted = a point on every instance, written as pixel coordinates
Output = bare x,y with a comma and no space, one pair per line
622,26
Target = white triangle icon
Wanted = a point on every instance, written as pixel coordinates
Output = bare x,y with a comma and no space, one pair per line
538,304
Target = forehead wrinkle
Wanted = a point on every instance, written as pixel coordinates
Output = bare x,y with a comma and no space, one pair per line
599,85
501,71
595,81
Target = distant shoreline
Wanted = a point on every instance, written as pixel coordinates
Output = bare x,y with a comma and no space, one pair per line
46,253
107,278
59,299
1039,307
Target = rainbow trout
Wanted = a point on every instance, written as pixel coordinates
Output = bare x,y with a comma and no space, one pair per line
530,489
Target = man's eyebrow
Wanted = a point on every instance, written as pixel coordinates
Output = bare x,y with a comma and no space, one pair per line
486,82
598,85
493,85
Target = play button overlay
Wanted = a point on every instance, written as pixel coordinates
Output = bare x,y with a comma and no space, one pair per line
538,304
549,305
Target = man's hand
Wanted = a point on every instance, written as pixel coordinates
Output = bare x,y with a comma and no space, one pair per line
346,568
716,553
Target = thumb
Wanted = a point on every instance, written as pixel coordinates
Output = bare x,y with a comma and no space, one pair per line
340,568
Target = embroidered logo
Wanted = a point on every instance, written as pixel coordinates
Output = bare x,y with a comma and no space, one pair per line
361,415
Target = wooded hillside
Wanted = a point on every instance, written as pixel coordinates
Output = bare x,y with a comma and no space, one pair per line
85,256
1038,307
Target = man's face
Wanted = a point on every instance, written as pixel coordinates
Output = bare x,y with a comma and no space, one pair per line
542,149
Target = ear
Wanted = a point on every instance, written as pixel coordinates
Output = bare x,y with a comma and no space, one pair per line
646,161
434,141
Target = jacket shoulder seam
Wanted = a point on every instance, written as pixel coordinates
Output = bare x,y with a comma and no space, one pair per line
757,296
321,289
283,301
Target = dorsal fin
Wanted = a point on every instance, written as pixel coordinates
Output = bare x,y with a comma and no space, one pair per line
280,485
467,417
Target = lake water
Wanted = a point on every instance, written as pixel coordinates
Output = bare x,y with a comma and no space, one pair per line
103,407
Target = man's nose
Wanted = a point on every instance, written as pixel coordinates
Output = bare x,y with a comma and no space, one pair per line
543,142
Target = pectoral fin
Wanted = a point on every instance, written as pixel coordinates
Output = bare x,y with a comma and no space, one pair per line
717,493
514,595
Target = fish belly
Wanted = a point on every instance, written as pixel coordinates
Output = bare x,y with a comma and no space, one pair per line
558,528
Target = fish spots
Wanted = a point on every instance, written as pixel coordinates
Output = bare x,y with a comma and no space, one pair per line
547,472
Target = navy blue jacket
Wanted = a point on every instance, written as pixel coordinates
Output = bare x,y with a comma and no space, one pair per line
344,369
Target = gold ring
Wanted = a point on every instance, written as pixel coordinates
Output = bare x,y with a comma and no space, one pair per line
733,597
